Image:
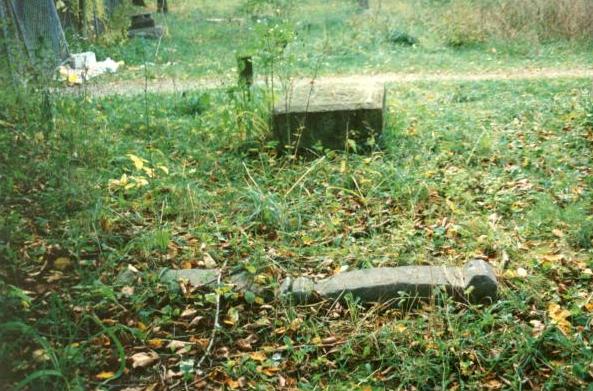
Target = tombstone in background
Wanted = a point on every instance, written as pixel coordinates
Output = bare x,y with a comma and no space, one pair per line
141,21
330,115
143,25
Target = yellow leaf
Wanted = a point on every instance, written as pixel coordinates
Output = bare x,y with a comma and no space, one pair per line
104,375
270,371
138,162
62,263
589,307
163,169
148,171
232,384
155,343
258,356
141,181
559,316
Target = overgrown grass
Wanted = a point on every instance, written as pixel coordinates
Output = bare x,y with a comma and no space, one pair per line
334,36
499,170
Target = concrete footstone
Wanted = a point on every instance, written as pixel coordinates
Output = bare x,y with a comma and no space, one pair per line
330,115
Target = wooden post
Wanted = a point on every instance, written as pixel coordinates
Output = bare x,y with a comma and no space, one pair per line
245,65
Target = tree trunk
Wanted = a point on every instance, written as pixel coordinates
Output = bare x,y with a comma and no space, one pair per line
162,6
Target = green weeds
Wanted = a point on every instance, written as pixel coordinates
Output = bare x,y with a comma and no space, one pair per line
493,169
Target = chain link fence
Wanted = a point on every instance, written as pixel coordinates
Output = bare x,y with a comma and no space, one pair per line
37,25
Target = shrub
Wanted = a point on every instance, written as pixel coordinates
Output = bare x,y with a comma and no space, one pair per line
398,37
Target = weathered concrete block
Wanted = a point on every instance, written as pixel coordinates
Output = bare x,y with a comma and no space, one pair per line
476,278
329,115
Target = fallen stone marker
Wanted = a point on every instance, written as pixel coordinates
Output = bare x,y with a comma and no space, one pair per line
475,281
242,281
329,115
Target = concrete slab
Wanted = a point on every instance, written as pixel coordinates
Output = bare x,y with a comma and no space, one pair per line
329,115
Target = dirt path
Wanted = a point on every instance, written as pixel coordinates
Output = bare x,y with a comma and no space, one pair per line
135,87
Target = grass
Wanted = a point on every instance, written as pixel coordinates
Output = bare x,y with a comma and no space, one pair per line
93,189
334,37
499,170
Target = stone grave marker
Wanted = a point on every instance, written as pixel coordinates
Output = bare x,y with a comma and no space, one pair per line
329,115
475,281
143,25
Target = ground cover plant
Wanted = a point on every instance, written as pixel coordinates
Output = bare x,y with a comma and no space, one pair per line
97,195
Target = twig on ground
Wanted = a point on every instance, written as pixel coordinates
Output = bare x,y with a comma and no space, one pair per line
216,320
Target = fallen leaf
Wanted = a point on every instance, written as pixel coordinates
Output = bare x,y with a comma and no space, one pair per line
232,317
232,384
171,374
269,371
155,343
188,313
62,263
127,291
196,320
138,162
104,375
244,344
559,317
538,327
176,345
209,262
40,356
258,356
144,359
557,233
400,328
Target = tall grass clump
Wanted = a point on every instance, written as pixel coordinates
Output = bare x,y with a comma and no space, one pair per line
470,22
547,19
